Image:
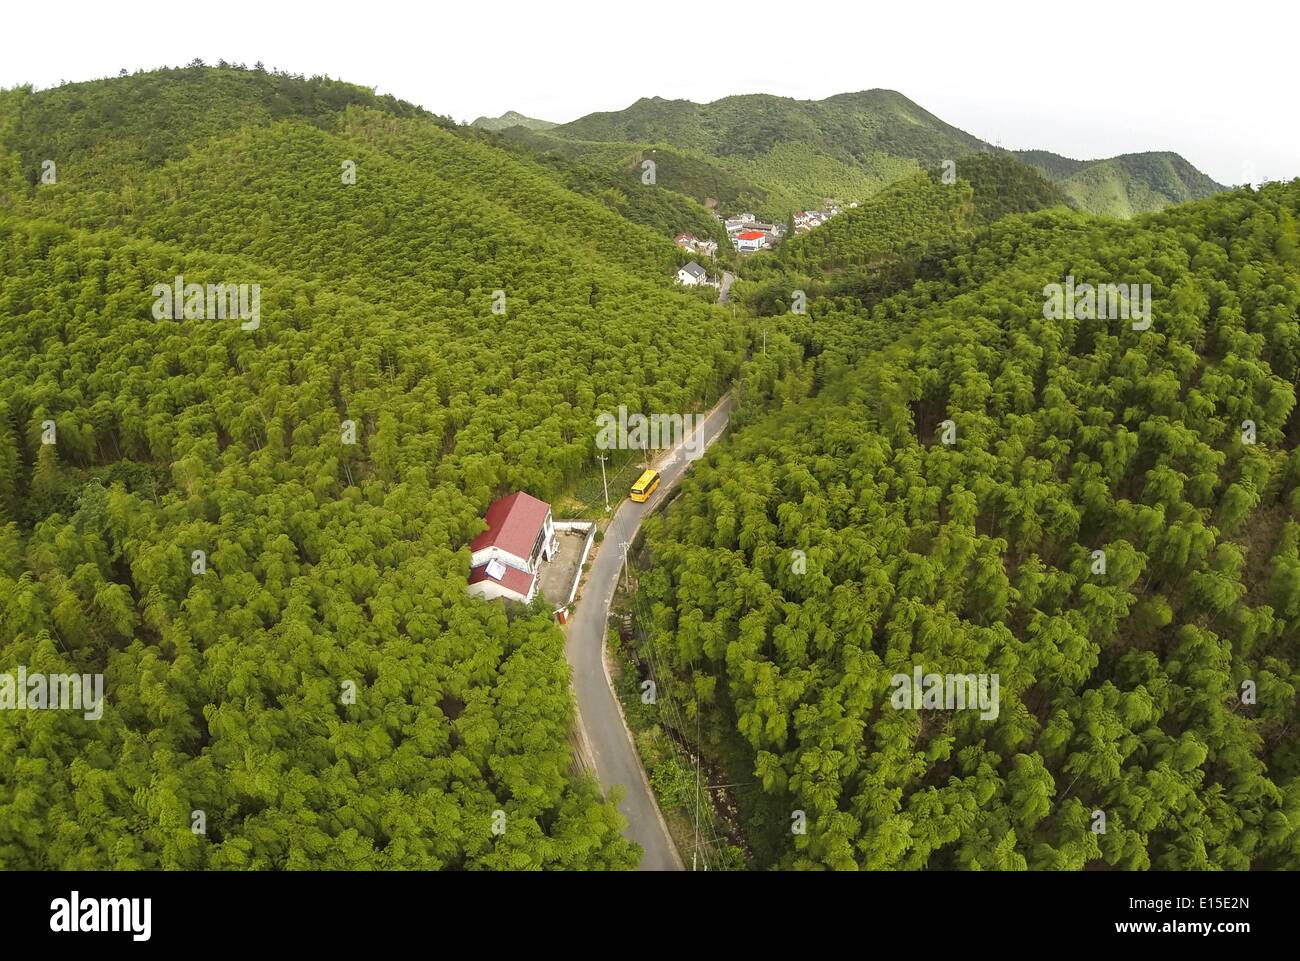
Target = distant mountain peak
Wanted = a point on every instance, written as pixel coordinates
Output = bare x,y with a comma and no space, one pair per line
512,118
791,152
1126,184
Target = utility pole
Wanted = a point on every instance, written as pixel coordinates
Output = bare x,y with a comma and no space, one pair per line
602,458
624,545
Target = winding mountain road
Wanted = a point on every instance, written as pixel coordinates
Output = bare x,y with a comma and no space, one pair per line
600,717
724,289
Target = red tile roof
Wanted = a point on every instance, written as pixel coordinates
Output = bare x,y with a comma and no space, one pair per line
751,235
513,523
514,579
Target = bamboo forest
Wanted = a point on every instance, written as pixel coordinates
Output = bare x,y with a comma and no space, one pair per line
964,535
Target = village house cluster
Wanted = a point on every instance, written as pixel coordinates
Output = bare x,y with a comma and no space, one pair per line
749,234
691,243
806,220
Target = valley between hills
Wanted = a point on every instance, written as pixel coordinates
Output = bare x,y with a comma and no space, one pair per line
979,575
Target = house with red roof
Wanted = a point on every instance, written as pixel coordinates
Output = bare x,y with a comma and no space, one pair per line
507,557
750,240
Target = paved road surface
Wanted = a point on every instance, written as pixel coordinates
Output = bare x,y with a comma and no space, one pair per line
599,715
725,290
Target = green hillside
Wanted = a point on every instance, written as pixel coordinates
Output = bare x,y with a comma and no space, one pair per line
796,153
1106,519
613,175
324,692
922,210
1126,185
109,130
677,172
1053,165
907,233
798,176
913,212
255,527
800,153
1002,186
852,126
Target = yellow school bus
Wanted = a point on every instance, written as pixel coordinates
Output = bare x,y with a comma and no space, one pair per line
645,486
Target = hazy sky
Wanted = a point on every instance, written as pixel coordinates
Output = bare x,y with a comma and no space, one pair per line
1217,82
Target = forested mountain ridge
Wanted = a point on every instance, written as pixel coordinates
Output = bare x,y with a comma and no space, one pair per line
258,534
939,501
612,174
926,208
852,125
908,232
797,153
512,118
314,685
1125,185
430,179
787,154
115,127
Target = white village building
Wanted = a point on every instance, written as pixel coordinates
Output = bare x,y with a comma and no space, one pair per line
738,222
692,275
